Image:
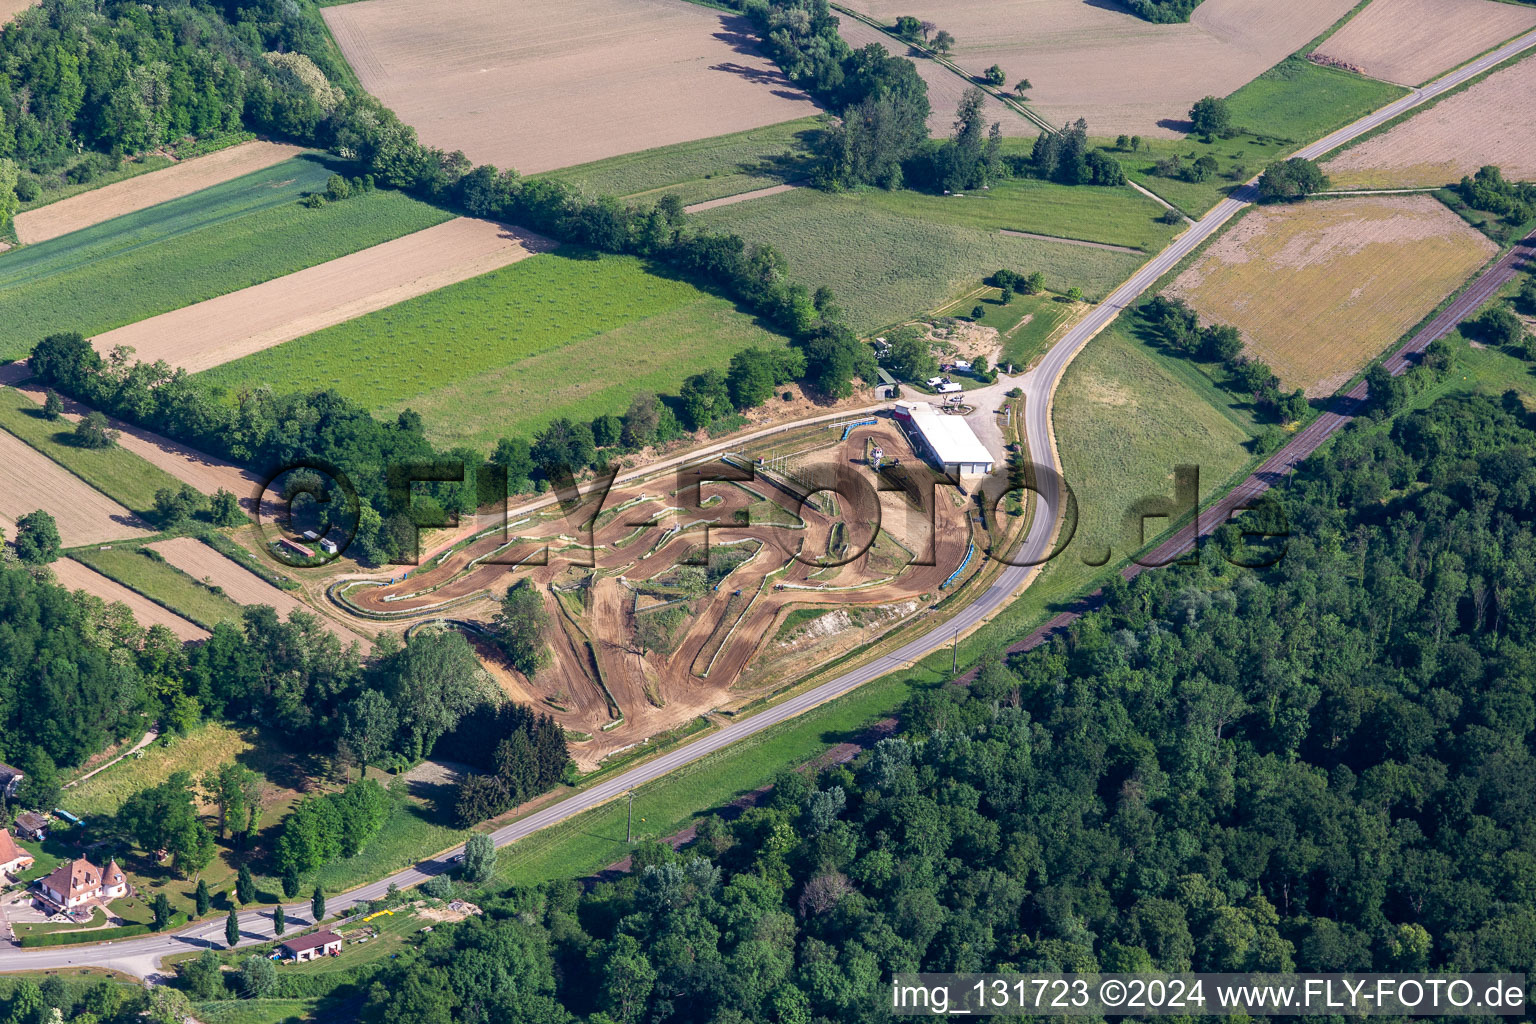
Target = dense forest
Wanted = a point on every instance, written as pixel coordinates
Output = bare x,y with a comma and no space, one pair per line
1327,765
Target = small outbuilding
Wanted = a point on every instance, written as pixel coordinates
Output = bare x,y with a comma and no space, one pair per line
10,780
31,825
312,946
13,859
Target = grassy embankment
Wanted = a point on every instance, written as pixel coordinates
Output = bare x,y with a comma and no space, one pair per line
224,238
705,169
569,333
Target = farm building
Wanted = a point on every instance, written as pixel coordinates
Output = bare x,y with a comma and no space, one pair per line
948,440
13,859
312,946
31,825
79,881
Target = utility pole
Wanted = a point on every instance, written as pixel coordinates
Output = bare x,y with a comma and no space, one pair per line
629,826
954,658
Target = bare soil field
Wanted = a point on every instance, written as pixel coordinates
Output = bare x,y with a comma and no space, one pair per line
145,190
944,86
186,464
10,8
242,586
209,333
1489,123
1321,288
562,82
30,480
1412,41
75,576
1094,60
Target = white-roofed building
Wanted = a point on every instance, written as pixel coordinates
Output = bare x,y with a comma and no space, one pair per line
948,440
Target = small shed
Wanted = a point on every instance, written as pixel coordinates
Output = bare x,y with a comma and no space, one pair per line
31,825
312,946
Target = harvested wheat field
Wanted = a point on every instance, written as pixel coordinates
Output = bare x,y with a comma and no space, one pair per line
1319,289
74,576
1412,41
209,333
30,480
562,82
145,190
1490,123
1098,61
239,584
944,86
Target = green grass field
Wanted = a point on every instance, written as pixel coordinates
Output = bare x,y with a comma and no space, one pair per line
119,474
1026,324
231,236
1293,103
161,582
563,334
256,1011
889,256
207,747
705,169
1124,417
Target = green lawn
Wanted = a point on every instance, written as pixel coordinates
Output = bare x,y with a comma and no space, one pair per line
1115,216
412,832
256,1011
230,236
704,169
1293,103
1025,324
32,928
890,256
119,474
161,582
1124,417
46,856
564,334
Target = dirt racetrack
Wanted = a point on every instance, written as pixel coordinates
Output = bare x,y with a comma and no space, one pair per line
145,190
562,82
75,576
646,543
242,586
1412,41
1489,123
230,326
1319,289
944,86
1095,60
30,480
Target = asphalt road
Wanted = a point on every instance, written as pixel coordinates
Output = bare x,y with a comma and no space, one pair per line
141,955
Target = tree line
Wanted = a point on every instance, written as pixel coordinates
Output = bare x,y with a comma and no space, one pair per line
1177,328
1323,766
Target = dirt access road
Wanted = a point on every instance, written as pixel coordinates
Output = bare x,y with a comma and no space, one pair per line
141,956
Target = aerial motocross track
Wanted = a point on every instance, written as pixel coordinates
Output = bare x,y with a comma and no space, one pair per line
141,955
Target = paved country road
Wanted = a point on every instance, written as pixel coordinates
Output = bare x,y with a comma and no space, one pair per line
141,956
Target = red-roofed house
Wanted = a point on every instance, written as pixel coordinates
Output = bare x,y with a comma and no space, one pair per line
13,859
80,881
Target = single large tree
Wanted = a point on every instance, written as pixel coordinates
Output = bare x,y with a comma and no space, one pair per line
369,726
1211,116
519,629
231,928
433,681
37,538
479,858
